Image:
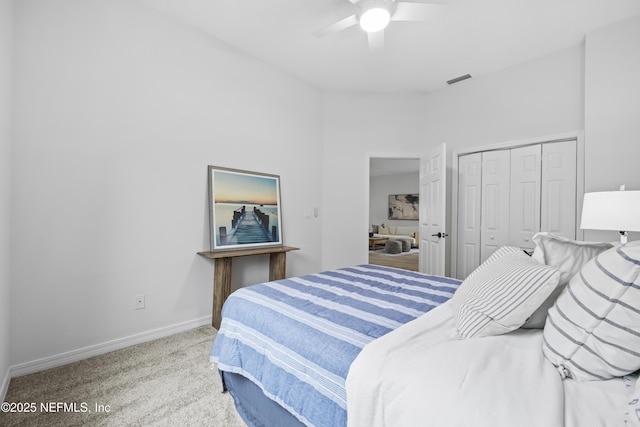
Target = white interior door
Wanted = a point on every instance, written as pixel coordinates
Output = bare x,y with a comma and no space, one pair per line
469,205
433,211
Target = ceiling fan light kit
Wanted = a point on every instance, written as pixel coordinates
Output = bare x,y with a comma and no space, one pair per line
374,16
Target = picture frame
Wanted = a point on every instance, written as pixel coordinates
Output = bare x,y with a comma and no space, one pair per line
404,206
244,209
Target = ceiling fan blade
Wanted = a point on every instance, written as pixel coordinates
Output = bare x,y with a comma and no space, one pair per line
342,24
412,11
376,41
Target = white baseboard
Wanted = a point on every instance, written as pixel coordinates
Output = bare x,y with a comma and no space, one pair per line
98,349
4,386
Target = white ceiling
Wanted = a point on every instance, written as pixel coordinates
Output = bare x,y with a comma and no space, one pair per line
464,36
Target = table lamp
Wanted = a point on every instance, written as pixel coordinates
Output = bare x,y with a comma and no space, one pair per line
612,210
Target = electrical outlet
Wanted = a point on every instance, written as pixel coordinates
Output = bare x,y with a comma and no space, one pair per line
139,302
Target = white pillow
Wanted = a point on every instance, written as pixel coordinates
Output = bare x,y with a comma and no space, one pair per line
593,330
566,255
499,295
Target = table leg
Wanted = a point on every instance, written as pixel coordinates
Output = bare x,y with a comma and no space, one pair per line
221,288
277,265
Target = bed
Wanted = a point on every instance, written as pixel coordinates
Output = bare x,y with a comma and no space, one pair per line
296,338
551,339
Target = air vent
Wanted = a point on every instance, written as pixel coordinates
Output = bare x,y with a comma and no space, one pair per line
459,79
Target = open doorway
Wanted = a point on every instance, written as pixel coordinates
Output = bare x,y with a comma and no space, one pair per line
394,185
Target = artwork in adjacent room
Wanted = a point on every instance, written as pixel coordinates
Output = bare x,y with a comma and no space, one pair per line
403,206
244,209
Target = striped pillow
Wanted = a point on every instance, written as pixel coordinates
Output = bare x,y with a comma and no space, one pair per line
593,330
501,294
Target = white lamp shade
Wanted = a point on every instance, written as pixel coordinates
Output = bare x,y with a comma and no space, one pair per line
611,210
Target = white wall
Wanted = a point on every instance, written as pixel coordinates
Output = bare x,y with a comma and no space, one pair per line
612,105
537,98
358,126
6,14
380,187
119,110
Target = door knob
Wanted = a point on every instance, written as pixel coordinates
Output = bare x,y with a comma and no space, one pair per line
440,235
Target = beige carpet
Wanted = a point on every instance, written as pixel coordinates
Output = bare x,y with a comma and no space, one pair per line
167,382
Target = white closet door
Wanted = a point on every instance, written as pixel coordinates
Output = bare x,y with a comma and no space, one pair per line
469,199
558,203
496,167
525,195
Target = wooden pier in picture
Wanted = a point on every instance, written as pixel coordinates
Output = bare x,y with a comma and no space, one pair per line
249,227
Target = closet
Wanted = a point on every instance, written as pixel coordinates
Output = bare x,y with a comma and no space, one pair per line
506,195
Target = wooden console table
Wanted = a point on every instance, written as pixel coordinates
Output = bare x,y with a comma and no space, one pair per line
222,272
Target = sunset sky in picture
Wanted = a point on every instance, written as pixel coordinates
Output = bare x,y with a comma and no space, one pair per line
232,187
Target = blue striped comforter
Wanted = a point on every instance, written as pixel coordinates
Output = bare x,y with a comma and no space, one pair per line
296,338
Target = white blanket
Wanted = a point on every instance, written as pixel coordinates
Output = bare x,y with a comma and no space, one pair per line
420,375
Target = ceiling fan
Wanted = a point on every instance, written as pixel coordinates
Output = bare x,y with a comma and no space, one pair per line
374,16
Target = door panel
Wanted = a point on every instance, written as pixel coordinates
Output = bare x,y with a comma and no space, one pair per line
525,195
558,202
433,215
496,168
469,203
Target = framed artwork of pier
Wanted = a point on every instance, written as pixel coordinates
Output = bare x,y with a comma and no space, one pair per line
244,209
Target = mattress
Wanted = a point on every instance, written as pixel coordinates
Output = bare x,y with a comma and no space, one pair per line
256,409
